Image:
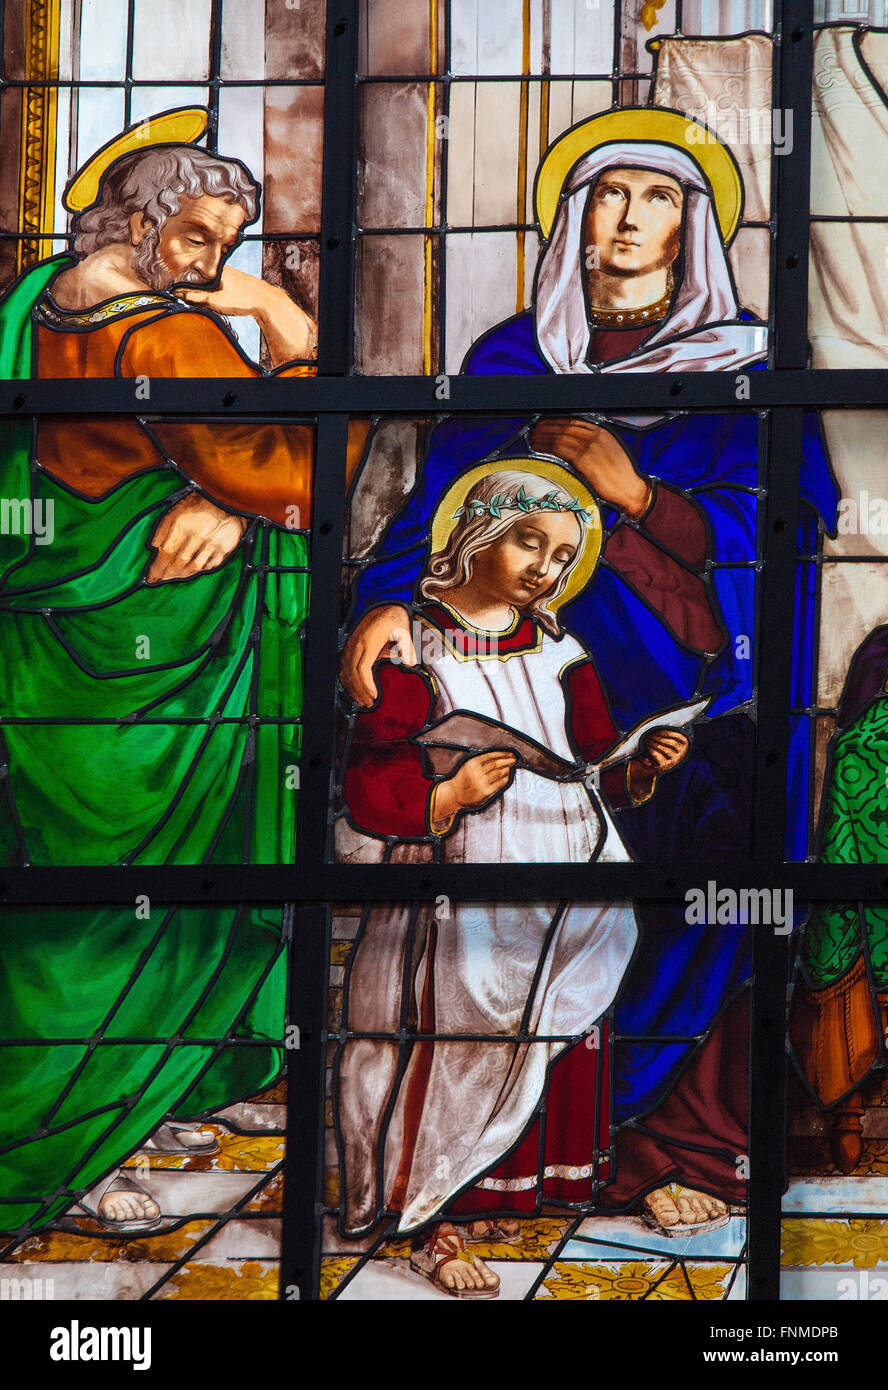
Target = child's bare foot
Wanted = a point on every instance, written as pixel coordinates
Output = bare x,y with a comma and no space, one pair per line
446,1262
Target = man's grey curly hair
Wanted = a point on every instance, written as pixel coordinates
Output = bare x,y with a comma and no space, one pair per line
154,182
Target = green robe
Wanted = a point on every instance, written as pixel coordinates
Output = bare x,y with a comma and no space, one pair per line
113,1017
855,831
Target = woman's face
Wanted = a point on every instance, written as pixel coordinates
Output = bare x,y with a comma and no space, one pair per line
523,563
634,221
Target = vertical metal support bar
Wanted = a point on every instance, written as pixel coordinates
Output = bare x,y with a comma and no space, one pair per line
335,296
306,1073
771,952
309,945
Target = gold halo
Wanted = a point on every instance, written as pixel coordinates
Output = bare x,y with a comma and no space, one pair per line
443,520
642,124
181,126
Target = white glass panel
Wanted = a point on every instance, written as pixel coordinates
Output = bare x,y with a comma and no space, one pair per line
852,603
750,257
171,40
243,39
497,109
589,98
582,37
247,257
99,119
461,155
560,108
486,39
241,130
736,16
481,288
68,38
149,101
102,41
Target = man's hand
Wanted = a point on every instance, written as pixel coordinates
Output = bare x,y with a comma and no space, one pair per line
287,329
598,457
475,782
193,536
378,633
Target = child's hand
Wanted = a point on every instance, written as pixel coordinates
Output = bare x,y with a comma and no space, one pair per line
475,782
664,749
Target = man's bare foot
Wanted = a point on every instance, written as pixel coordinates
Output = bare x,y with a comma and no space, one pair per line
178,1137
686,1207
501,1228
445,1261
127,1206
120,1203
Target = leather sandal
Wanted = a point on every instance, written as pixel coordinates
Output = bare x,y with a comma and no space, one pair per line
442,1249
90,1201
165,1140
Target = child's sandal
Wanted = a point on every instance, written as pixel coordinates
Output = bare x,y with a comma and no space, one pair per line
442,1249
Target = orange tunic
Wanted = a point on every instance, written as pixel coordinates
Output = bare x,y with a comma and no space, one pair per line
263,469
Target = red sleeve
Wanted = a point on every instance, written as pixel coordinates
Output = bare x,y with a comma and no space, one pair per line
592,729
385,788
662,559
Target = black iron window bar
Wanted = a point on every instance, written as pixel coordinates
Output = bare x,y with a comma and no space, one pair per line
312,884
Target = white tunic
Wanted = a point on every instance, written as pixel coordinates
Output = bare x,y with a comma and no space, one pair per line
552,967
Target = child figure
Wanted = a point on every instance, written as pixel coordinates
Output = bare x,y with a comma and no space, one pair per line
501,975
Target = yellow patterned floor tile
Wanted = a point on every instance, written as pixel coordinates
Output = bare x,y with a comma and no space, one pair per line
165,1247
235,1281
270,1196
638,1279
862,1243
333,1271
239,1153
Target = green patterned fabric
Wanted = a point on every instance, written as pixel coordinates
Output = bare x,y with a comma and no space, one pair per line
855,831
154,753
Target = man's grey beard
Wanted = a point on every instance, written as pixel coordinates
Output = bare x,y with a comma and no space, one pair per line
150,266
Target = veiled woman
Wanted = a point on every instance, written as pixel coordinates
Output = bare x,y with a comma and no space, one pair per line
637,207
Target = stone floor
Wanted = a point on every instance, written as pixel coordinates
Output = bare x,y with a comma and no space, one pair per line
579,1258
220,1238
835,1228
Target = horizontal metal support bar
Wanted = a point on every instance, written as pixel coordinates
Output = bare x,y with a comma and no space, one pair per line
367,395
271,883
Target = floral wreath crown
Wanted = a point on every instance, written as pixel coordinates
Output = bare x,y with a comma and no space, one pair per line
522,503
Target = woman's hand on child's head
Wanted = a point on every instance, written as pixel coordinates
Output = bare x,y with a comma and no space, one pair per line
479,779
599,457
664,749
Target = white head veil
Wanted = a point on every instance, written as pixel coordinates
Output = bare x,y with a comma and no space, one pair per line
700,333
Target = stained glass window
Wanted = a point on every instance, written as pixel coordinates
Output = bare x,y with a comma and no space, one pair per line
441,645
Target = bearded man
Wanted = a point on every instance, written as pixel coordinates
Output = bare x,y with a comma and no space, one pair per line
141,653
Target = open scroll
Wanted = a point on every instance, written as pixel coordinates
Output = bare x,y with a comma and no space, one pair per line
461,733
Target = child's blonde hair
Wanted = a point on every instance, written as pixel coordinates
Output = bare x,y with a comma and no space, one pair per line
491,508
